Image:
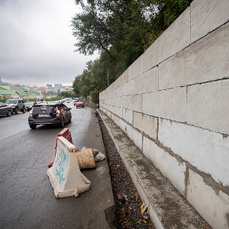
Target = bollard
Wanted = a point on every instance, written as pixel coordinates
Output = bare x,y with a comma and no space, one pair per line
65,175
66,134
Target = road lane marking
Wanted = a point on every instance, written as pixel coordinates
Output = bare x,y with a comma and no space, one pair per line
13,134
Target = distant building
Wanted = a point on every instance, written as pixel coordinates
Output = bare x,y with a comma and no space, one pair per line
49,85
6,91
68,88
58,86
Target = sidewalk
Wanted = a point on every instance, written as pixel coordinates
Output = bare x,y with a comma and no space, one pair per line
89,209
93,203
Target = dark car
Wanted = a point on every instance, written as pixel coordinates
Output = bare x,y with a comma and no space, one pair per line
5,109
29,106
16,104
54,113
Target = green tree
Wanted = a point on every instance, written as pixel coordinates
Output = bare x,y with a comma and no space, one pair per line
121,30
76,86
67,94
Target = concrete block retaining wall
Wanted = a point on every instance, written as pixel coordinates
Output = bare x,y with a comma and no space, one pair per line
173,102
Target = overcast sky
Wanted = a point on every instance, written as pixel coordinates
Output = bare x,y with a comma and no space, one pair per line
36,42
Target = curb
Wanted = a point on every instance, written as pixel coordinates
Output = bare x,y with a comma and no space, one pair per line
166,206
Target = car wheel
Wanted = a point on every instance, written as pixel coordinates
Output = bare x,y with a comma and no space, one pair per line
8,113
33,126
23,110
16,110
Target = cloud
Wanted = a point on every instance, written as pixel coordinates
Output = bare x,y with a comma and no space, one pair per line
36,42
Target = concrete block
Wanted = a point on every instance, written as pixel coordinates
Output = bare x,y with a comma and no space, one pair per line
111,116
101,102
146,124
65,176
109,109
110,95
106,101
135,136
203,61
174,39
117,101
122,79
208,106
167,207
150,57
104,107
147,82
127,115
106,91
115,93
104,110
206,16
124,102
110,101
135,69
108,112
169,104
205,150
213,207
114,102
101,95
118,111
119,91
133,102
170,166
147,148
116,119
112,109
128,88
123,125
111,87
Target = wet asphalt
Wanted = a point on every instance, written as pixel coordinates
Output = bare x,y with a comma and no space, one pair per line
26,196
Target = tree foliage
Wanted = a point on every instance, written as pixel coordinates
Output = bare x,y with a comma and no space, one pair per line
67,94
120,30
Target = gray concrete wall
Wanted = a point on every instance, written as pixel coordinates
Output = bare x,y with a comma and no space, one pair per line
173,102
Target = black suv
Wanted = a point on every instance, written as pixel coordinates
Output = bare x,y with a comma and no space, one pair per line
16,104
53,113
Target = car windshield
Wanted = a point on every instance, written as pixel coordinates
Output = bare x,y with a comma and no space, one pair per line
43,109
11,101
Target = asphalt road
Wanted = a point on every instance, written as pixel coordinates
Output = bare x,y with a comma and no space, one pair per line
26,196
